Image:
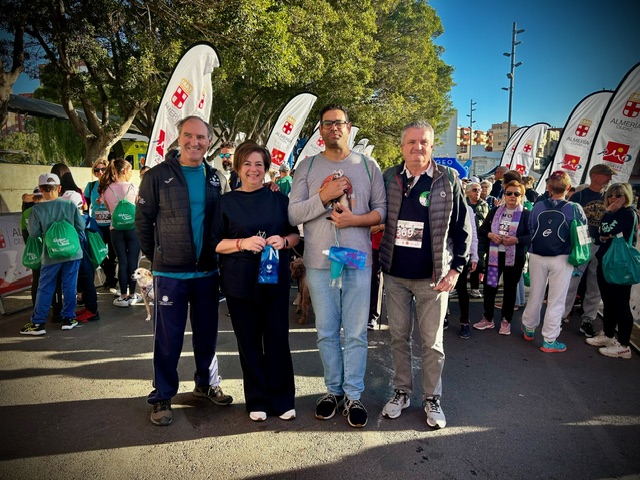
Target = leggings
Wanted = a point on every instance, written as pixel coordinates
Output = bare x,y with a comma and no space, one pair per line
127,247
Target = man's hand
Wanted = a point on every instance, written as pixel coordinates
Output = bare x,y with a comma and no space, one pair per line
448,282
273,186
343,217
333,189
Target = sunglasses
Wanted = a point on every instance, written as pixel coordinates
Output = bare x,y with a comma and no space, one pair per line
226,155
474,190
508,194
96,170
617,195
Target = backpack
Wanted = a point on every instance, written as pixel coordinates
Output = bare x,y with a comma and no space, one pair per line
123,216
551,234
32,253
61,240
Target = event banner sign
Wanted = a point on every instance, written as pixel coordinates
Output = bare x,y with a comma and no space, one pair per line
577,136
617,140
510,148
352,136
369,150
527,148
287,128
361,145
314,145
13,275
187,93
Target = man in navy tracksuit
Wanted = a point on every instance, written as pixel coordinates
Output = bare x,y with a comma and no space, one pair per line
173,219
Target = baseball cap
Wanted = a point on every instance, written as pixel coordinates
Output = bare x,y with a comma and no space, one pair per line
284,167
37,192
601,169
75,197
48,179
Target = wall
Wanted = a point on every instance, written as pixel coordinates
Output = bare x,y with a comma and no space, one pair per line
17,179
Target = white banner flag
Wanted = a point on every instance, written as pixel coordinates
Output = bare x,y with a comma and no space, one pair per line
352,136
314,145
361,145
188,93
577,137
287,128
369,150
617,141
527,149
510,148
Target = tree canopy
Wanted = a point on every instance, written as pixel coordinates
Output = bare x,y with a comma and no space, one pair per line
112,59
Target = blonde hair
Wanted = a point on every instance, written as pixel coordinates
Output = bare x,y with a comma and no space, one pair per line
619,189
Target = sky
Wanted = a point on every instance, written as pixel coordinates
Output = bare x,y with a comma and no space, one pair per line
569,49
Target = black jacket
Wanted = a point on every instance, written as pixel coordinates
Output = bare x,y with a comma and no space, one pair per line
163,219
523,234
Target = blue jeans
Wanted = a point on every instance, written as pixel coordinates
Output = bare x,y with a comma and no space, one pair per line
47,286
346,308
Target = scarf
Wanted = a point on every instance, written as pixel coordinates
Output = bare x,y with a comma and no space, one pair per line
510,251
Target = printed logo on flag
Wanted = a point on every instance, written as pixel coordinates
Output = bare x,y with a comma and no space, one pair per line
632,107
320,142
528,146
570,162
616,153
160,144
288,125
521,169
182,93
202,97
583,127
277,157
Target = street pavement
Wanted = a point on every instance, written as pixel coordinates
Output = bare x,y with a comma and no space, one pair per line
72,405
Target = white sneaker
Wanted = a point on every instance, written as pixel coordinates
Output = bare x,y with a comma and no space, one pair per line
121,302
394,407
258,416
435,415
136,299
615,350
475,293
600,340
288,415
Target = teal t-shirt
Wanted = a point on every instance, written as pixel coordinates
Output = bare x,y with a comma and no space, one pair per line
196,184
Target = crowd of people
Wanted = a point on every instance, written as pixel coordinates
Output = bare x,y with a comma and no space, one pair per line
417,232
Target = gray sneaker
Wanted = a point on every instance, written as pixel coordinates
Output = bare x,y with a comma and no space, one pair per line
394,407
435,415
162,414
213,393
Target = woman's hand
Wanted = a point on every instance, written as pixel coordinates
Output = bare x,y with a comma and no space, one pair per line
495,238
507,241
254,244
617,204
276,241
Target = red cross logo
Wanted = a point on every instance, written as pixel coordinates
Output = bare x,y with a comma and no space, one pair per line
527,146
320,142
287,127
632,107
179,97
582,130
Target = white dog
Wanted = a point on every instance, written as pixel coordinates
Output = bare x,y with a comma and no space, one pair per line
145,281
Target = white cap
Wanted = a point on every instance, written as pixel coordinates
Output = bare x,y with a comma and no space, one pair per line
48,179
75,197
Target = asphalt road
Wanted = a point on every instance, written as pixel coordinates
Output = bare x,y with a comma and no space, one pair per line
72,405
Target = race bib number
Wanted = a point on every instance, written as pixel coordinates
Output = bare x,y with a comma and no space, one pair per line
409,234
102,217
583,235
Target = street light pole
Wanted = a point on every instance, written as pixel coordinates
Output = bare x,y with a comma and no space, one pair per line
511,74
471,122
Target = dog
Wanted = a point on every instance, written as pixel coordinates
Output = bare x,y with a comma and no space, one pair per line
299,273
144,278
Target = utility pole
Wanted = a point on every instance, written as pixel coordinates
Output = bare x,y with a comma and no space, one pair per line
511,73
471,122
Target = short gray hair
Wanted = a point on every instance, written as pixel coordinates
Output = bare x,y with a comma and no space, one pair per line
421,124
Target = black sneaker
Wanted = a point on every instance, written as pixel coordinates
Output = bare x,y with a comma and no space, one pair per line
33,329
213,393
587,329
162,414
372,324
69,323
356,413
327,405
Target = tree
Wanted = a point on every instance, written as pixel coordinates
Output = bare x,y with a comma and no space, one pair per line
11,53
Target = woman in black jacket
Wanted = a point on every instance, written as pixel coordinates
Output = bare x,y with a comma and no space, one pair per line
506,230
620,217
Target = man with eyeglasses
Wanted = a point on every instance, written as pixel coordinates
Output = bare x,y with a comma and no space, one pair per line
592,201
349,187
424,249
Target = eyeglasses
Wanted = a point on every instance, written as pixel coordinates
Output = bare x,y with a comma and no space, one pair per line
338,123
226,155
508,194
96,170
617,195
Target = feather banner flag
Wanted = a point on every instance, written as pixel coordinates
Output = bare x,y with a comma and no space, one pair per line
572,153
527,148
287,128
510,148
617,140
188,92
